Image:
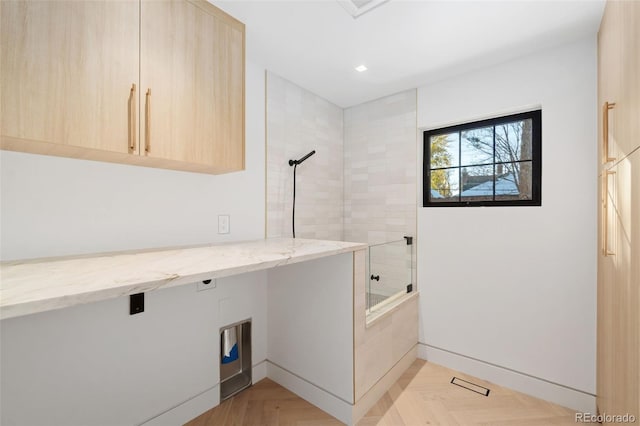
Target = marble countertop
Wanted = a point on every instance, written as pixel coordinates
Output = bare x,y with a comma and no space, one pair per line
39,285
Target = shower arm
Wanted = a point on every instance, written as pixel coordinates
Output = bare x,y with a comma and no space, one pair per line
300,161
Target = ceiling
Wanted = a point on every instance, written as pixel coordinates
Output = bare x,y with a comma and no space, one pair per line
404,44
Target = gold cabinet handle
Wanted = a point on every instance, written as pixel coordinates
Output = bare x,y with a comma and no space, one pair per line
605,237
147,123
132,119
605,130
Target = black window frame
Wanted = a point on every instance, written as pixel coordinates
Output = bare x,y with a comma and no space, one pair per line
536,161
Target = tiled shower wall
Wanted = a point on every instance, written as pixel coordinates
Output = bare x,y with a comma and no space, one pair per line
380,169
380,185
361,183
298,122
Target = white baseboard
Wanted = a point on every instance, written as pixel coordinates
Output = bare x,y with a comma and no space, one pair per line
188,410
259,371
539,388
338,408
369,399
201,403
322,399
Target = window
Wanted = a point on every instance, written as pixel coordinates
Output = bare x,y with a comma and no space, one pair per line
492,162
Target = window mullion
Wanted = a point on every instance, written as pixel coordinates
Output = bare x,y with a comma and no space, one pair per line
494,163
459,165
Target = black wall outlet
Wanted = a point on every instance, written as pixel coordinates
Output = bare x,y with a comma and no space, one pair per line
136,303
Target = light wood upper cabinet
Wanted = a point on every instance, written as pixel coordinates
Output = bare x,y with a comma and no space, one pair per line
610,72
68,69
630,77
192,79
619,77
67,72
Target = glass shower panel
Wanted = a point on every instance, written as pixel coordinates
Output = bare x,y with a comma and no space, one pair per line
390,272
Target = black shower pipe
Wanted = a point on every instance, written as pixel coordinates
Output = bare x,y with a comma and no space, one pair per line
295,163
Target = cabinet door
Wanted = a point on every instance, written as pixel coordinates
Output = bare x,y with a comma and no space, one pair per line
635,279
192,82
619,290
609,76
627,286
629,98
607,310
67,72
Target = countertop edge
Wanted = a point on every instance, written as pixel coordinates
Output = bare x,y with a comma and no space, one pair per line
64,301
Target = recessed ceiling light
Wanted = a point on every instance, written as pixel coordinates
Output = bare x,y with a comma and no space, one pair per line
361,68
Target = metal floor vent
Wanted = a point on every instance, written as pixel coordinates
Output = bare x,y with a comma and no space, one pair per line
470,386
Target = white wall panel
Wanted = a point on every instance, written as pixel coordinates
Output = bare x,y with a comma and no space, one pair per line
516,286
310,318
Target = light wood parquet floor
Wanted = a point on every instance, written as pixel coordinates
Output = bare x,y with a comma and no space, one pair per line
422,396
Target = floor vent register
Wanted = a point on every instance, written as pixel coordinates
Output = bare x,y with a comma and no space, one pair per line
470,386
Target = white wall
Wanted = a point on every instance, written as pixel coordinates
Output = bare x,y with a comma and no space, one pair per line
516,286
94,364
299,122
309,305
54,206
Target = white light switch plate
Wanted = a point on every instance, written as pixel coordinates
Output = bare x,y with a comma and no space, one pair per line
223,224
